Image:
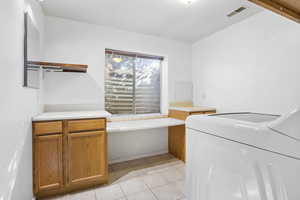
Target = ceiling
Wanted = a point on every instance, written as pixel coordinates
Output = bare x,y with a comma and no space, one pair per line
165,18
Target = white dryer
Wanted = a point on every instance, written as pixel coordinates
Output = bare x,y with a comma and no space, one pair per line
243,156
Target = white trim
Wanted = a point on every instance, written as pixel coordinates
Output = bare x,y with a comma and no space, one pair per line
164,96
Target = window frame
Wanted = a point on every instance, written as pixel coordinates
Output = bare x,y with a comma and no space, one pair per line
163,61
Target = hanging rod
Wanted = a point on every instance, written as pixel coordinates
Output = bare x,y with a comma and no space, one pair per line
64,66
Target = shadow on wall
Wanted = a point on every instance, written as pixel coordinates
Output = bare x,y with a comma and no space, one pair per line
146,143
22,186
72,91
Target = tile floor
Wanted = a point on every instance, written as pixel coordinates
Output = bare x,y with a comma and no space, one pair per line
155,178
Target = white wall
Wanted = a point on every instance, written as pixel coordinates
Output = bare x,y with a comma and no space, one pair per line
124,146
250,66
17,106
35,43
76,42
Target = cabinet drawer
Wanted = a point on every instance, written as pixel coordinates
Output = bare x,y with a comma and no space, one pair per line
197,113
86,125
42,128
210,112
203,113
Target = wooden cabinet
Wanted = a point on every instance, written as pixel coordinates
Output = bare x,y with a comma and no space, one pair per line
176,135
69,155
182,115
48,163
177,141
286,8
87,158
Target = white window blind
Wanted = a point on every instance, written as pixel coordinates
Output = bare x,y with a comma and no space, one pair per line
132,82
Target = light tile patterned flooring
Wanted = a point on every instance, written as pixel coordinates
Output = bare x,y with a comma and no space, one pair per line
154,178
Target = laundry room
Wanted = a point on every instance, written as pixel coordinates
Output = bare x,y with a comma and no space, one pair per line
150,100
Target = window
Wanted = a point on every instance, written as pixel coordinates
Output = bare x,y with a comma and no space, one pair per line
132,82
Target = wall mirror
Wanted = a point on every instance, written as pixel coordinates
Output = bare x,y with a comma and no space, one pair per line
32,52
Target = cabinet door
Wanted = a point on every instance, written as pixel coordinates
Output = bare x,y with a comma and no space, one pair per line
87,158
48,163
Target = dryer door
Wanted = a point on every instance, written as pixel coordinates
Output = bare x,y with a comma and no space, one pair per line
219,169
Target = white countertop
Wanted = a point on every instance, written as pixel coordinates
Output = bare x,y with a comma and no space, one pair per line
142,124
193,109
49,116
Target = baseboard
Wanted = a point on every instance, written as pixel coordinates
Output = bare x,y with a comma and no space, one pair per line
136,157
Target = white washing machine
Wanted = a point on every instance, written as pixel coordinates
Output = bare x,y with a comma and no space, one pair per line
243,156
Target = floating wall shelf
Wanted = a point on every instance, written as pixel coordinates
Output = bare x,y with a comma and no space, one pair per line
59,66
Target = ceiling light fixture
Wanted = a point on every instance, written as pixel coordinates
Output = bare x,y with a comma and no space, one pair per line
188,1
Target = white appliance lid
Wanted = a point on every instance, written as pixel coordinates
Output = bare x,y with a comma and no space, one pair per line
288,124
252,129
248,116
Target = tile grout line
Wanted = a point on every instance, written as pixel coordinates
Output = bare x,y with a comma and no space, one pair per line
150,189
151,192
167,182
147,187
125,196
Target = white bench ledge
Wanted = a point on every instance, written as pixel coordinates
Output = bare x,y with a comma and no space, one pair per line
130,117
134,125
